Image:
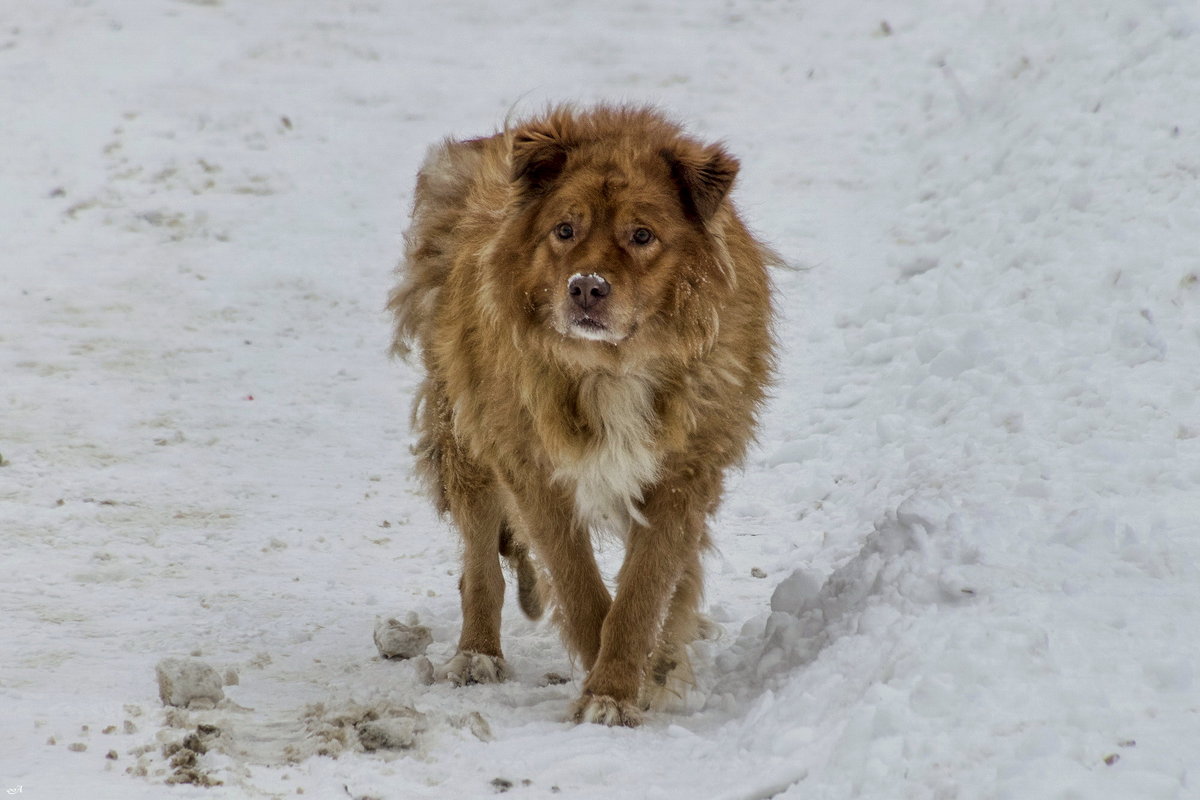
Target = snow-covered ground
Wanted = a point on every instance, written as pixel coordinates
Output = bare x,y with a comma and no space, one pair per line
961,564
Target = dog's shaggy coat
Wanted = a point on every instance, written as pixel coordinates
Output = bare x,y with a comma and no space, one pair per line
594,322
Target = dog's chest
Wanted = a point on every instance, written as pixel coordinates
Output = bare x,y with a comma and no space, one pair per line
620,457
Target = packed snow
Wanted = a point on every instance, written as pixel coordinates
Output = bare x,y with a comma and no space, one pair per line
961,562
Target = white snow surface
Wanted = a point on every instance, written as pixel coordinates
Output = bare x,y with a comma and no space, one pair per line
973,517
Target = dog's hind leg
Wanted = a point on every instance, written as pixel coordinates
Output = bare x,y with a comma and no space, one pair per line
529,585
669,674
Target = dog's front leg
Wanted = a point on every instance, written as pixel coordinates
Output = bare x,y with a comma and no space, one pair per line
544,516
656,557
471,496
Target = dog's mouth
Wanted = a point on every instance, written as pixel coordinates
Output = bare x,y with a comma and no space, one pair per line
587,326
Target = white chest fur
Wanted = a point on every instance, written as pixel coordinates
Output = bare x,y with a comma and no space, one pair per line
609,476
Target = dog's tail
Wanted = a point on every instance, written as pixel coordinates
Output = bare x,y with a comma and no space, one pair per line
530,585
443,183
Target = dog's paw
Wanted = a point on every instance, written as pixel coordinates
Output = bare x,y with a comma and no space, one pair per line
667,683
708,629
467,668
604,710
667,691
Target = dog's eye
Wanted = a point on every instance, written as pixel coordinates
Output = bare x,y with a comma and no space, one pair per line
643,236
564,231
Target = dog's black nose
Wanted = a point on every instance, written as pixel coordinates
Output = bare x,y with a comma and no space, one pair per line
588,290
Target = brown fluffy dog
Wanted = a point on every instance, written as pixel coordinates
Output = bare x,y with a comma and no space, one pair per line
594,322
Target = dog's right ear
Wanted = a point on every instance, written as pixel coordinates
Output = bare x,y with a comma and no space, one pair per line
539,153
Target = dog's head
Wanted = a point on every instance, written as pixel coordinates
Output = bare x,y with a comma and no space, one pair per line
612,229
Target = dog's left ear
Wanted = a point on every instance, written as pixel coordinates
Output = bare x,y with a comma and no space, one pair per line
539,153
704,176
